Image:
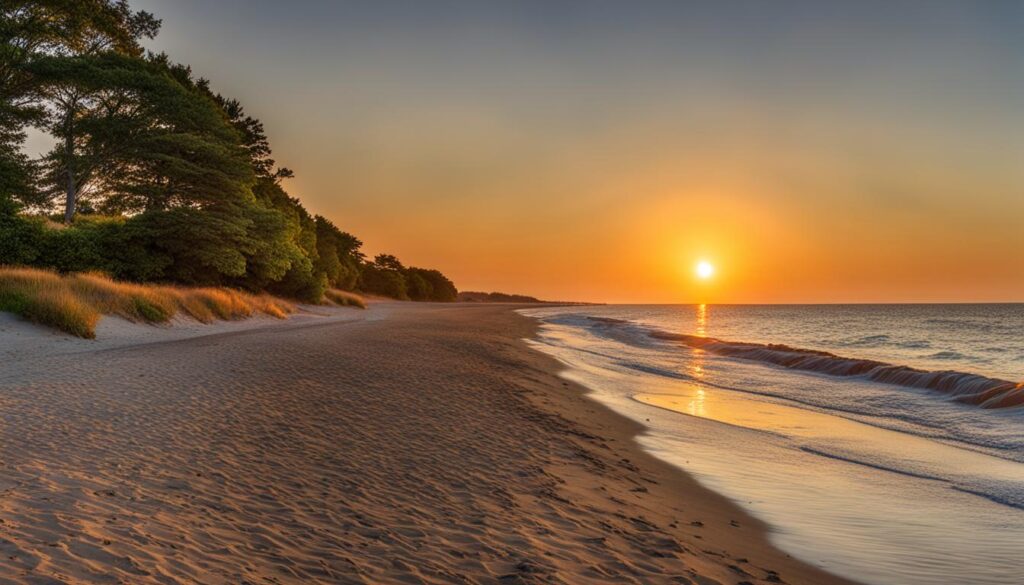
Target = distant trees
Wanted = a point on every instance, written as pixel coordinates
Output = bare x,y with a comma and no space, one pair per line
495,297
438,287
156,176
338,255
387,276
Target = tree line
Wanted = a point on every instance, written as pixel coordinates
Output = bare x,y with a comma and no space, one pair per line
153,175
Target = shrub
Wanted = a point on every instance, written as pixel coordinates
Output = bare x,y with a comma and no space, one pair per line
301,283
20,238
71,249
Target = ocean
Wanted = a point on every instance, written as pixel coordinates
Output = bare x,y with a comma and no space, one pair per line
881,442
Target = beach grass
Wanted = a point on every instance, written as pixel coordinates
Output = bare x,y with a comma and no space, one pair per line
74,303
344,298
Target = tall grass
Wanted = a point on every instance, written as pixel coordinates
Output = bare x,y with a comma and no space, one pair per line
74,303
344,298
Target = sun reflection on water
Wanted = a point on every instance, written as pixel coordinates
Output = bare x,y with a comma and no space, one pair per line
702,320
697,364
696,406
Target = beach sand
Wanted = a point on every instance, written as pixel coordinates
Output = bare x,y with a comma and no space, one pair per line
402,444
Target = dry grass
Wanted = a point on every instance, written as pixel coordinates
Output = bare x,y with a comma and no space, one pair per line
344,298
74,303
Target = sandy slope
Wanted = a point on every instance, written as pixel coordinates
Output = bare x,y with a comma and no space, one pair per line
403,444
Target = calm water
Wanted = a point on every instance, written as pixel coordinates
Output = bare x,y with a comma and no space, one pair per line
885,483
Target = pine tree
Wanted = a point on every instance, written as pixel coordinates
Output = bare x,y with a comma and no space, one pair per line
46,29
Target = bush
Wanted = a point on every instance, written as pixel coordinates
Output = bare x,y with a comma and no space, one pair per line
20,238
72,249
301,283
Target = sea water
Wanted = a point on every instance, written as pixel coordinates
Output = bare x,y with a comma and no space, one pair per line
884,443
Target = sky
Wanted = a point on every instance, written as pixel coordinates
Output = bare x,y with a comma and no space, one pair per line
596,151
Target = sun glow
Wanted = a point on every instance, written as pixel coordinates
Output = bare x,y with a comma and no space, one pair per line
705,270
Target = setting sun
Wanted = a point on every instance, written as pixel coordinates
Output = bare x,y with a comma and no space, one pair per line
705,270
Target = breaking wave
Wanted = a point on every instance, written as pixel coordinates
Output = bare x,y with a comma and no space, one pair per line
963,387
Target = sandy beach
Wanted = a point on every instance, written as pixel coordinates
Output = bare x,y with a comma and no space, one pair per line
402,444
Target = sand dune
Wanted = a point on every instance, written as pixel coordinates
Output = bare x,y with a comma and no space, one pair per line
403,444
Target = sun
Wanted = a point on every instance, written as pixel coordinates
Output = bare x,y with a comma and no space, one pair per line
705,270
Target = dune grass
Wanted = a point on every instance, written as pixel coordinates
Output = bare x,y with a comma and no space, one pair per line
74,303
344,298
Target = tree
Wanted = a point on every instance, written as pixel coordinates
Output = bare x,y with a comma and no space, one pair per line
438,287
417,287
388,262
149,139
384,276
53,29
338,254
253,137
187,176
301,280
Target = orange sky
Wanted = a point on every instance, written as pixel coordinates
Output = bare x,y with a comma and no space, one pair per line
623,215
856,152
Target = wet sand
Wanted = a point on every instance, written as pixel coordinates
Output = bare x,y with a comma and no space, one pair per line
404,444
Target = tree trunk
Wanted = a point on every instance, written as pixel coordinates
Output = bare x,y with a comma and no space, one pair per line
71,190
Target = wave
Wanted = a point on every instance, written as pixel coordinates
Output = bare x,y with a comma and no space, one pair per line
913,344
872,465
963,387
948,355
869,341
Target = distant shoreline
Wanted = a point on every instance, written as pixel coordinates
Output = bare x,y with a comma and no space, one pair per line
498,297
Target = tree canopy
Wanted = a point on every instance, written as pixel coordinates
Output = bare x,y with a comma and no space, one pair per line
158,177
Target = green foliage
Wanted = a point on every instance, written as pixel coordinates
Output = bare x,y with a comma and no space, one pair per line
185,177
72,249
16,171
247,246
338,256
495,297
435,286
142,133
382,281
387,276
31,30
294,248
417,287
75,26
20,238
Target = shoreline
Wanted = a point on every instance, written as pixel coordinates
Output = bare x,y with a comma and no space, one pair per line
678,491
410,442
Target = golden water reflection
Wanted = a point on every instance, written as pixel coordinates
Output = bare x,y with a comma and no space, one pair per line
842,434
697,364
